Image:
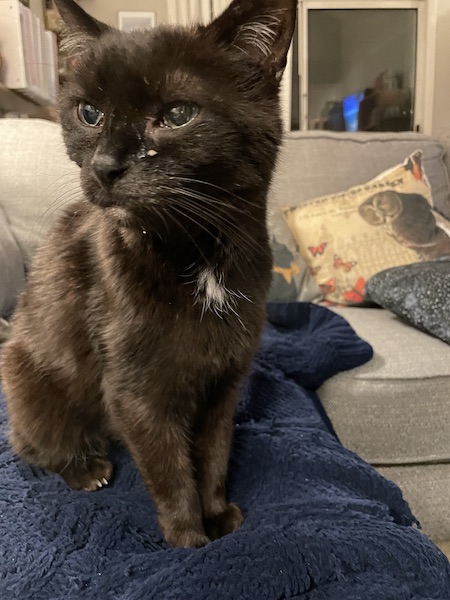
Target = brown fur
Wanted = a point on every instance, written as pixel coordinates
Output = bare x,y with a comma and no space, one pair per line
113,337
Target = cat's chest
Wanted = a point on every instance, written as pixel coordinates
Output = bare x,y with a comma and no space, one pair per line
205,313
212,293
201,314
207,342
173,294
196,324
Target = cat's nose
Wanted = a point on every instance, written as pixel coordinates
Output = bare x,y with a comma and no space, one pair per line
107,169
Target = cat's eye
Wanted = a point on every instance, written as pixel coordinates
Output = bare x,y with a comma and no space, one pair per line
179,115
89,114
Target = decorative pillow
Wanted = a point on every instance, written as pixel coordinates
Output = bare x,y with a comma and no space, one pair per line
348,237
418,293
291,277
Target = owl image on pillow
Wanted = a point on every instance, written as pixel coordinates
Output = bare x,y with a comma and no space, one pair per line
409,219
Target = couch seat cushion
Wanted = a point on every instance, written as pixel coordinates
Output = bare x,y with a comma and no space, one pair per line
426,489
396,408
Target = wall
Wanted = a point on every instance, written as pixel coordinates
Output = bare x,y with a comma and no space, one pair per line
106,10
441,109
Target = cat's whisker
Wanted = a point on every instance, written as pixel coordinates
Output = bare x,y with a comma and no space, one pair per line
164,220
61,184
44,222
56,206
66,196
58,185
215,187
201,182
208,219
181,226
227,227
187,194
210,200
61,190
224,211
190,217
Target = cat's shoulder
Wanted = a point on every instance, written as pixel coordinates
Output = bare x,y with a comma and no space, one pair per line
69,243
74,216
75,223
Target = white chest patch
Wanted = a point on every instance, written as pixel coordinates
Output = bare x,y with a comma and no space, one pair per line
211,291
213,294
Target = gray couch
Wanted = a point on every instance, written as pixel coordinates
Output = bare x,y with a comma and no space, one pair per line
394,411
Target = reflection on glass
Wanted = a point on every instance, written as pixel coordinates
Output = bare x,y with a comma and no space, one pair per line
361,69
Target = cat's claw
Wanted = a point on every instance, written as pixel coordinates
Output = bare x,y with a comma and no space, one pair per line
92,475
101,483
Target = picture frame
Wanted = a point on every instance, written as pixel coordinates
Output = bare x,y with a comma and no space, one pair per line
136,20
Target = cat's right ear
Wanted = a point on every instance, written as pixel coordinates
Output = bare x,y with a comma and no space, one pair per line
80,29
261,29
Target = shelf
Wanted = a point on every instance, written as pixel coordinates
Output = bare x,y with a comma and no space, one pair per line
13,101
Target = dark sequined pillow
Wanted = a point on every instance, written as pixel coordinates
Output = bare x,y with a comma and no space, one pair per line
419,293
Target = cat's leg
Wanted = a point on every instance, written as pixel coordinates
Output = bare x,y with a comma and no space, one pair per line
212,452
52,425
158,440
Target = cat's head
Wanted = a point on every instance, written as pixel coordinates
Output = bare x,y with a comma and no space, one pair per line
160,121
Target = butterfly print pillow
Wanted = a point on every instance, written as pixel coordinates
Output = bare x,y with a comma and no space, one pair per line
348,237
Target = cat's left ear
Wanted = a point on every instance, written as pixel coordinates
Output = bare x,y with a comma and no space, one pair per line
262,29
80,28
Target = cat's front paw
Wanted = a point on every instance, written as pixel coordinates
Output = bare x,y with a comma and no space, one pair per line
187,539
89,475
225,522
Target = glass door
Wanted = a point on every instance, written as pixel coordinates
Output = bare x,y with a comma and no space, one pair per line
360,65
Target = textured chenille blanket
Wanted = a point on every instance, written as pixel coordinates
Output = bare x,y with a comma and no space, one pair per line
319,522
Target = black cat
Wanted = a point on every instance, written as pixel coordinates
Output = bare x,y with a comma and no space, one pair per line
144,308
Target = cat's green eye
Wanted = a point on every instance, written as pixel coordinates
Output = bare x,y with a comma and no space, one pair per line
179,115
89,115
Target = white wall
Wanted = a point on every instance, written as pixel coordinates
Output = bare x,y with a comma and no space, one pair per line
441,109
106,10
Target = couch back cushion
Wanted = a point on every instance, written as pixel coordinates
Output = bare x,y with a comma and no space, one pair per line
318,163
12,272
37,179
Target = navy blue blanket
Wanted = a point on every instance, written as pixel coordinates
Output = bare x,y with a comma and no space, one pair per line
320,523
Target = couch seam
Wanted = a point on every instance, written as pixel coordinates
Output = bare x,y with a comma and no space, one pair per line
391,379
420,463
